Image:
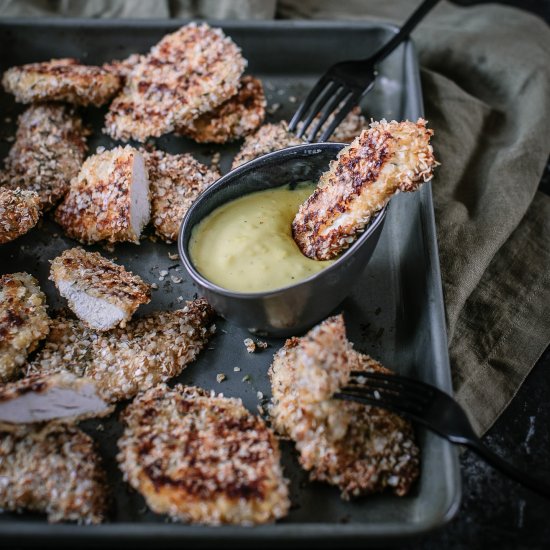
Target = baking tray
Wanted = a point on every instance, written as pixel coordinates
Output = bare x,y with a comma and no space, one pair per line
395,312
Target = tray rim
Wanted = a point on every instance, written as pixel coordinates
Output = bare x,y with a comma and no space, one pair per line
173,531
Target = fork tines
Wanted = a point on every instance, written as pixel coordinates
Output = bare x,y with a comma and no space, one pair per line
391,391
328,97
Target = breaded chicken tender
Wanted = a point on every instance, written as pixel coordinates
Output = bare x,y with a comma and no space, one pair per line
127,360
122,68
62,396
49,148
385,159
19,212
52,469
101,293
268,138
239,116
176,181
61,80
202,458
188,73
108,199
360,449
23,321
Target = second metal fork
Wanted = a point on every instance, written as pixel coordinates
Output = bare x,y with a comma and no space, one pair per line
434,409
345,83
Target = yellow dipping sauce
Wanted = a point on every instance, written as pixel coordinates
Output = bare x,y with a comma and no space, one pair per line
246,245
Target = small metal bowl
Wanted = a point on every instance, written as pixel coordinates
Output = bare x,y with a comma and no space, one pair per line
293,309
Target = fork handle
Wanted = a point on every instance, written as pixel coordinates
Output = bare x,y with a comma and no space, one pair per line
537,485
404,31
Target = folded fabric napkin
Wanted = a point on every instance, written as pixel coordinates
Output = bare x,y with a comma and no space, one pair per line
486,84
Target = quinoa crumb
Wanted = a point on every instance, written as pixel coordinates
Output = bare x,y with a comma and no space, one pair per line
220,377
237,369
173,256
250,345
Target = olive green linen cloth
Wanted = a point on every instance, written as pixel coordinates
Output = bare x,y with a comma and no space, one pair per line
486,84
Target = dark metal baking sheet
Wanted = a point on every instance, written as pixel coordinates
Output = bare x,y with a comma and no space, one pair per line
395,311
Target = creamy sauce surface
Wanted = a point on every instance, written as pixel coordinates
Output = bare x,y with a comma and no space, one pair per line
246,245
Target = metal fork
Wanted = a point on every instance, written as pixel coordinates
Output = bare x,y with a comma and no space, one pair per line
434,409
345,83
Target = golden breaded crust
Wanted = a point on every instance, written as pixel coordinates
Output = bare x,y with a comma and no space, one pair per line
122,68
101,278
188,73
46,397
61,80
202,458
127,360
176,182
49,148
98,204
268,138
360,449
23,321
385,159
19,212
52,469
239,116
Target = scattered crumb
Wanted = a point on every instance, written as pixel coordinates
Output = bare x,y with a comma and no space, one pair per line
237,369
215,164
246,378
260,395
100,428
176,279
292,99
173,256
180,298
250,345
154,286
272,109
163,272
220,377
161,278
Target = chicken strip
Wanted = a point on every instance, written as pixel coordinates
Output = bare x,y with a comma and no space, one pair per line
127,360
23,321
385,159
52,469
40,398
268,138
49,148
202,458
188,73
19,212
108,199
101,293
176,181
360,449
61,80
239,116
122,68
